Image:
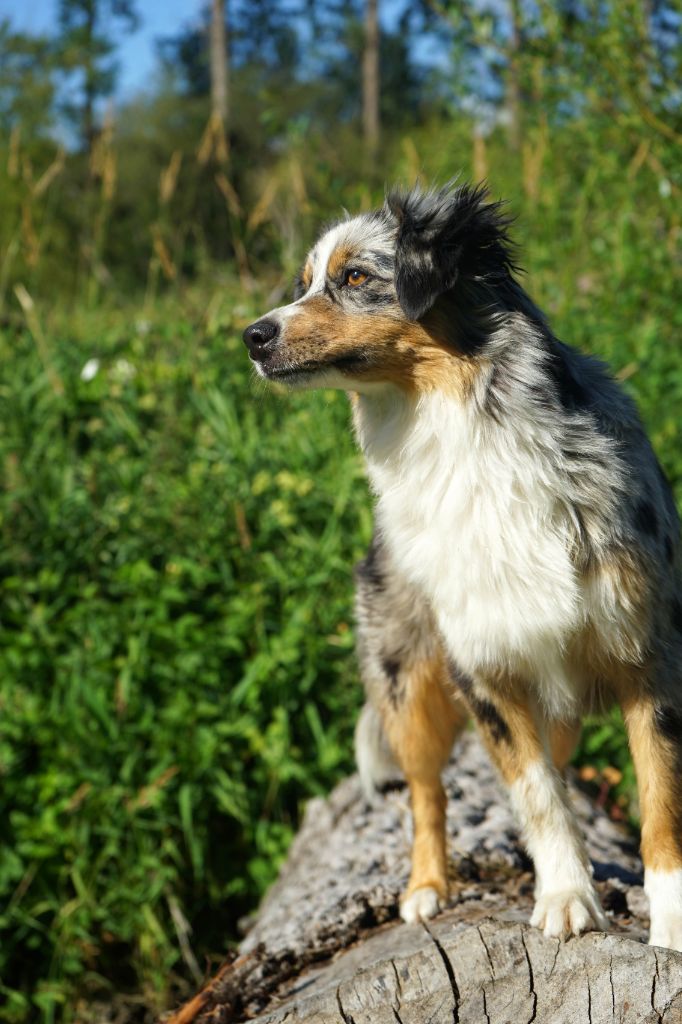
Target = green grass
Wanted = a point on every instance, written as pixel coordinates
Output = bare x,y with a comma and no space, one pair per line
176,653
176,656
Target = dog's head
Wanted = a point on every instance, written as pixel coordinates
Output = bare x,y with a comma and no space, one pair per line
400,295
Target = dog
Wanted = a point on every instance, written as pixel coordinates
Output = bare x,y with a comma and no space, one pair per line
525,566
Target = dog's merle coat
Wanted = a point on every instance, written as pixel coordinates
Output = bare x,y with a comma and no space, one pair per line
525,563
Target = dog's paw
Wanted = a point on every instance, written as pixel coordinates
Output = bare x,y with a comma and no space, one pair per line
420,905
667,931
664,889
560,914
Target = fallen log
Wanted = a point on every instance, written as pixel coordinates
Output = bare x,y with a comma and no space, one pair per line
326,946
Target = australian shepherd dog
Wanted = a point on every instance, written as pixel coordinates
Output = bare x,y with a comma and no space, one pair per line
524,569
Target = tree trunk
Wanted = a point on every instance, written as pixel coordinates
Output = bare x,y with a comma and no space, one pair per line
514,78
370,80
326,946
89,88
219,64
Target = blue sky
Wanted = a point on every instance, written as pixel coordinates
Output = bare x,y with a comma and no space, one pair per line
136,55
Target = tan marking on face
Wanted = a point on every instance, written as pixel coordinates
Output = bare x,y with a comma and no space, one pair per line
388,348
420,730
340,259
657,763
307,275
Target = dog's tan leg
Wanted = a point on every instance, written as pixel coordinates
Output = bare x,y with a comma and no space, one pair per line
563,739
412,715
655,733
421,727
566,902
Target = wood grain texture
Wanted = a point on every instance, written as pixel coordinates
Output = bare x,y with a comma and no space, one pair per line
326,946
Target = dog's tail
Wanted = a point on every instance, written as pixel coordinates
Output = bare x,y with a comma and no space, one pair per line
377,766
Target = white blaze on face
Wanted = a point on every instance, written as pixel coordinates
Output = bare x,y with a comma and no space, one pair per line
321,255
361,233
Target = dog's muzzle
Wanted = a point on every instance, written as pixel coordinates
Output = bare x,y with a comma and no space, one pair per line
260,339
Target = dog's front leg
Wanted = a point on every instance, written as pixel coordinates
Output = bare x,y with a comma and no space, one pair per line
415,715
421,727
565,899
412,708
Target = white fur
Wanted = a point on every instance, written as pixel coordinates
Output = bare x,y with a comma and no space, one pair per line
356,232
664,889
474,514
420,905
470,513
573,912
566,903
320,257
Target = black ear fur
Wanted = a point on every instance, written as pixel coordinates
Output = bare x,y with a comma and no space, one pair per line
444,236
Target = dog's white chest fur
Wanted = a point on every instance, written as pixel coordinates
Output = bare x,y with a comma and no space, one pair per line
470,513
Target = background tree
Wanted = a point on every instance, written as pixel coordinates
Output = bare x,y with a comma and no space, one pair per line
514,74
371,79
86,55
27,65
219,74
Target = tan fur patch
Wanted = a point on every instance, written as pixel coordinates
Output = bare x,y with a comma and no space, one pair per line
421,731
525,745
307,275
340,258
628,580
387,348
660,788
563,739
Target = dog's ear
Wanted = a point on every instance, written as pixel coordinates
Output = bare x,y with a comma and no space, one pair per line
442,237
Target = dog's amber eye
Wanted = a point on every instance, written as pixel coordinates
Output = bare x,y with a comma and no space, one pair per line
355,278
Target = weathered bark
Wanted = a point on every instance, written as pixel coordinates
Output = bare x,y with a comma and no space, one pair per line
327,948
370,79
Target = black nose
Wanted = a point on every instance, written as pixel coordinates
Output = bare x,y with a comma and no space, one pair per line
259,337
